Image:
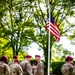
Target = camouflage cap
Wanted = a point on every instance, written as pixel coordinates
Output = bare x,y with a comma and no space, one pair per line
16,60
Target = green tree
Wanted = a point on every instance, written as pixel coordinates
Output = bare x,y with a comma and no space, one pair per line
17,25
23,22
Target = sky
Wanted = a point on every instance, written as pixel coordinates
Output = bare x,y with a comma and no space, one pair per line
67,44
33,50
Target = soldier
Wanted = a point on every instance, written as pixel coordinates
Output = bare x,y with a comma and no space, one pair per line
14,57
26,66
40,65
4,68
15,68
74,68
67,68
34,66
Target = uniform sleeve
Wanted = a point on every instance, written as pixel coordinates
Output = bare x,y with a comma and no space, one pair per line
29,68
67,68
20,70
34,70
40,69
64,68
7,70
74,70
71,68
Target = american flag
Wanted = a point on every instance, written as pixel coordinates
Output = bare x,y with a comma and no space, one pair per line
52,28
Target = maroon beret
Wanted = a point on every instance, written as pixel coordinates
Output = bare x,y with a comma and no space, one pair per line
16,60
4,58
15,57
37,56
69,58
28,56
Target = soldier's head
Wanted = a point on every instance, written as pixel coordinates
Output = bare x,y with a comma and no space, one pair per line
15,57
37,57
4,59
33,62
28,57
16,61
69,59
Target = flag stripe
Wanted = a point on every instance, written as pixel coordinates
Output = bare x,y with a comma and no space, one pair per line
53,32
52,28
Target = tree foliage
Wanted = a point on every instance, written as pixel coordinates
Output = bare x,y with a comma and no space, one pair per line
23,22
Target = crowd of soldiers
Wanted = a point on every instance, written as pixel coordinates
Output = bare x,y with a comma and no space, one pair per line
68,68
15,67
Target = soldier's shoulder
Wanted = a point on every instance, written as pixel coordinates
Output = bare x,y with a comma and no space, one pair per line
6,65
65,64
23,62
14,66
41,62
10,63
17,65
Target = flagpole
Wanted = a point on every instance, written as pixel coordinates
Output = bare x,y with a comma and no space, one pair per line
49,52
58,34
49,45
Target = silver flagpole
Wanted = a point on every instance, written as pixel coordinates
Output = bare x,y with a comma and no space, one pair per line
49,38
49,52
49,44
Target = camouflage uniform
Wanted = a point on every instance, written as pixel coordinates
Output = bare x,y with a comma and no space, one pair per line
67,69
34,69
4,69
74,70
40,68
15,69
26,66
